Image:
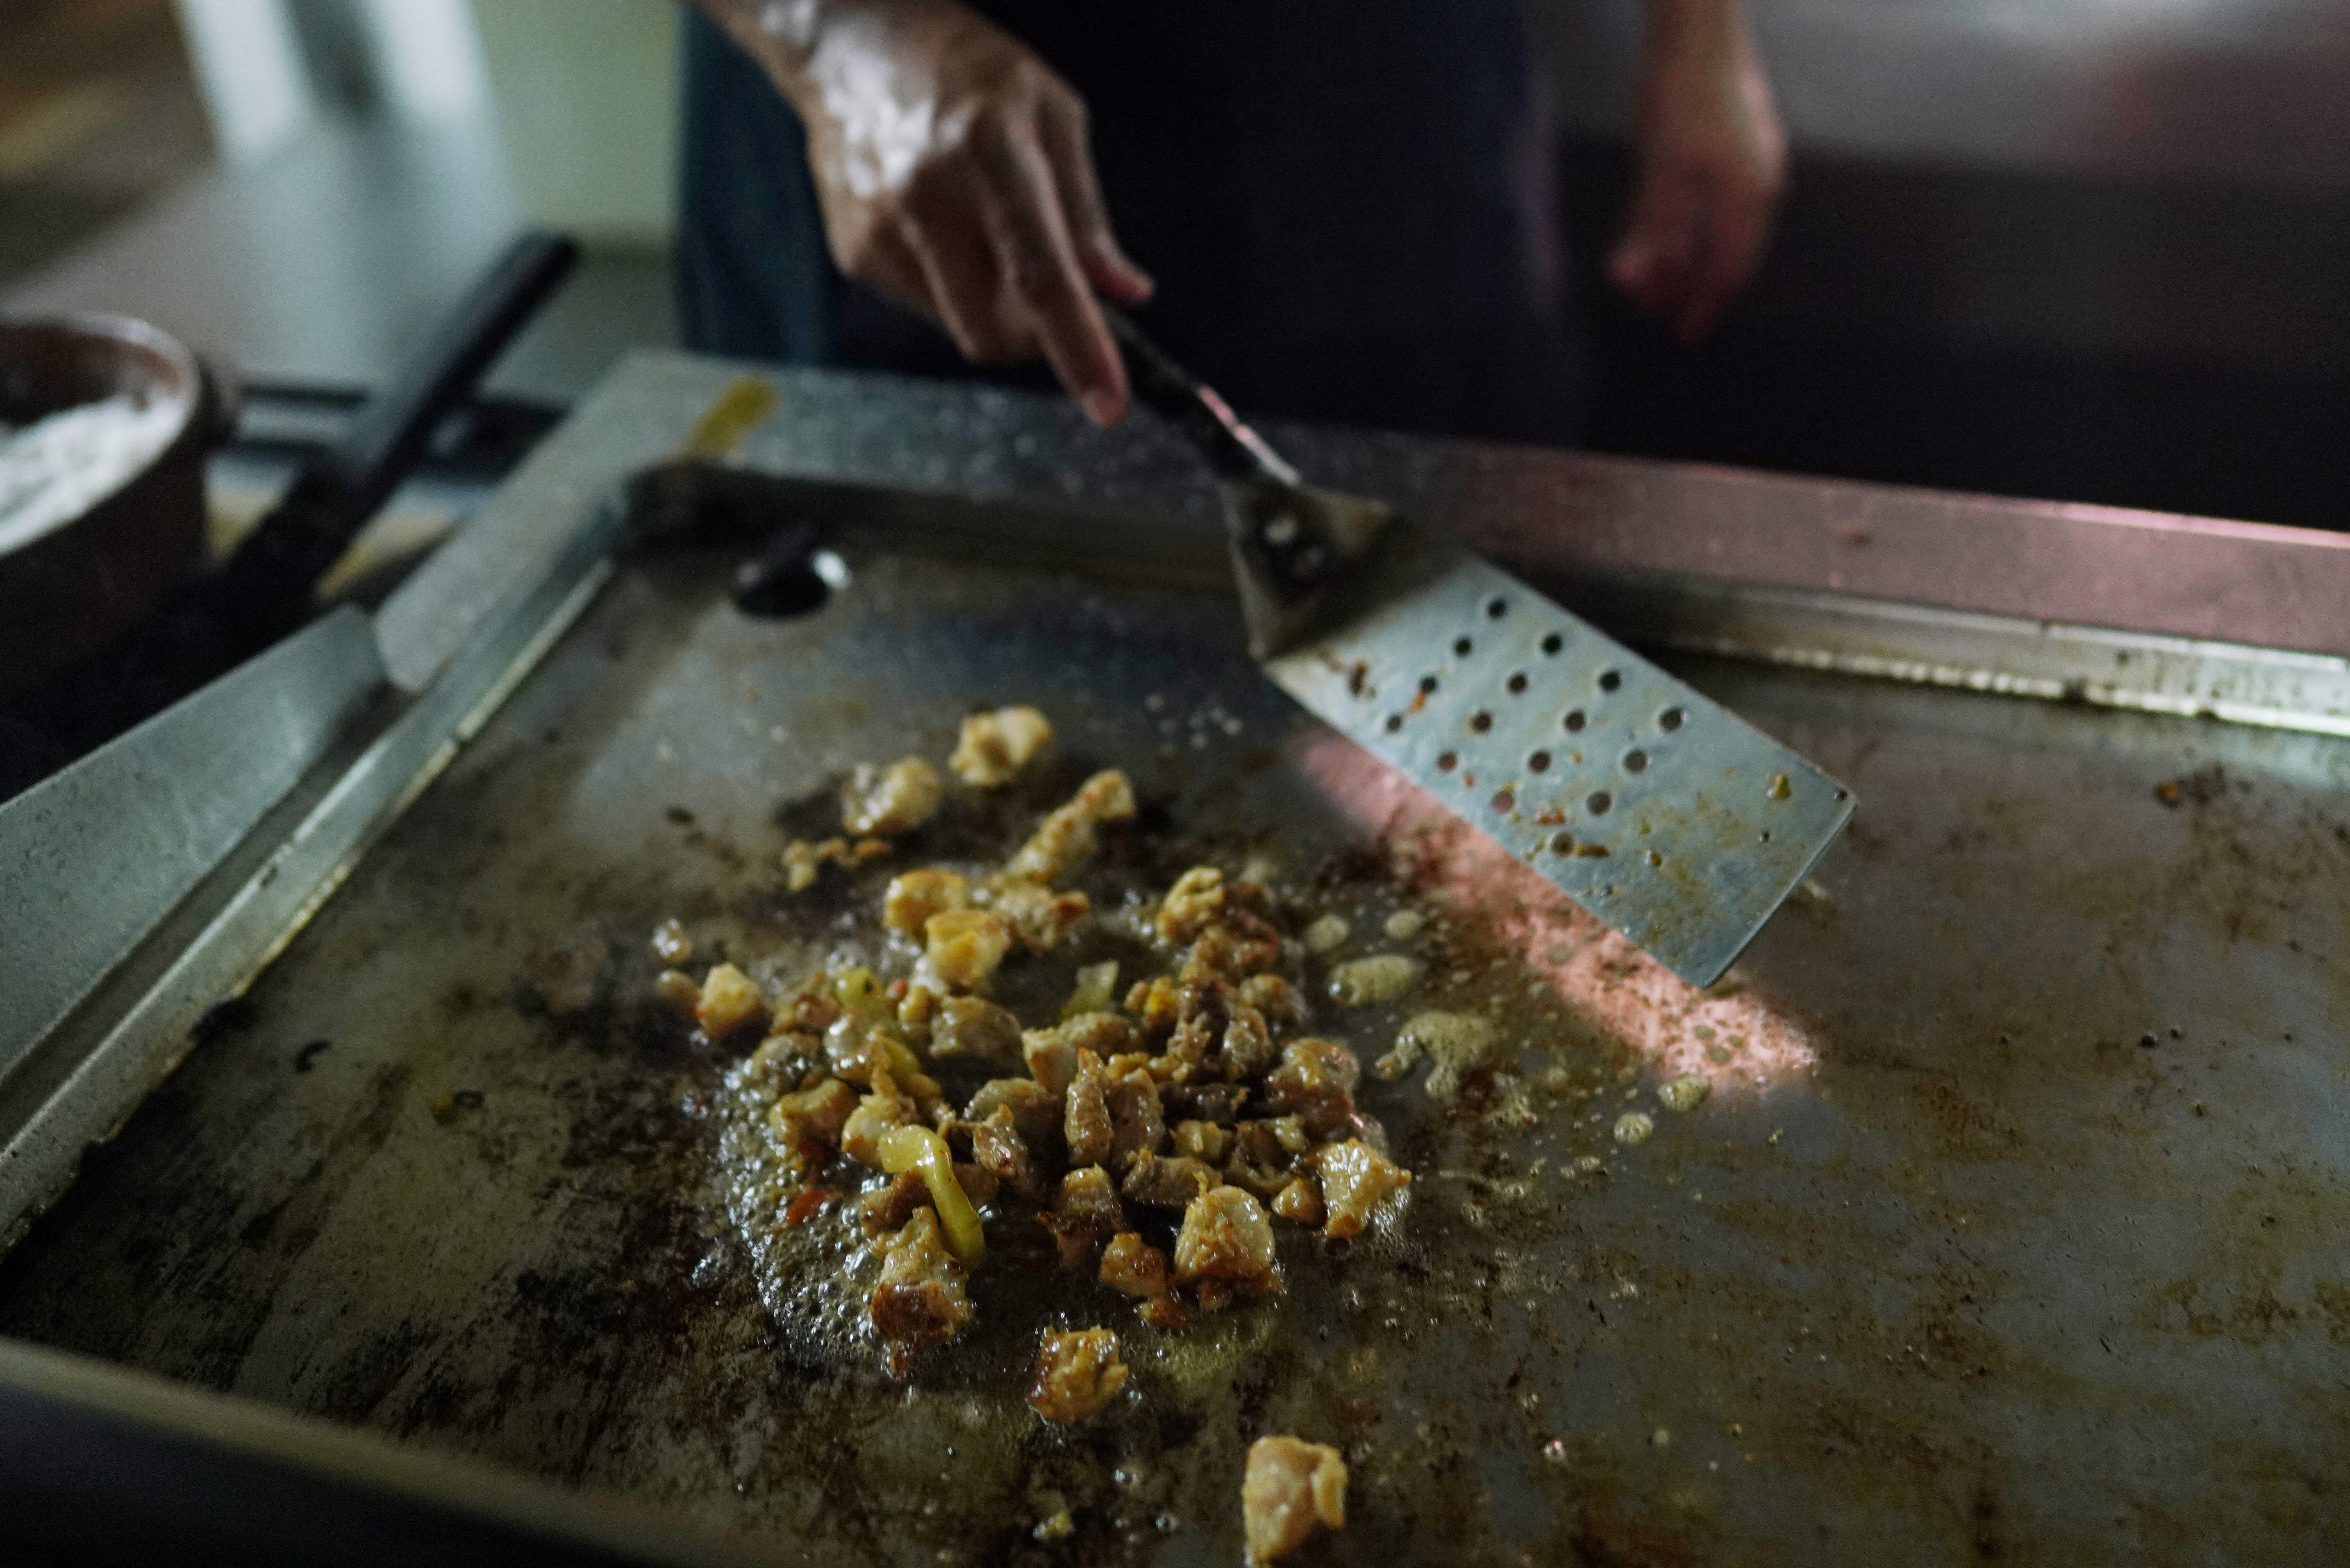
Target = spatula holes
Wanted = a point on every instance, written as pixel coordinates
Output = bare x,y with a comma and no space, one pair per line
1504,802
1609,680
1553,643
1496,608
1539,762
1671,719
1516,683
1462,648
1394,722
1574,722
1427,685
1447,763
1481,721
1562,844
1636,761
1599,803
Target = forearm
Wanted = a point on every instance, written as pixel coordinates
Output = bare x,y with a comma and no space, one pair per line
807,45
1696,26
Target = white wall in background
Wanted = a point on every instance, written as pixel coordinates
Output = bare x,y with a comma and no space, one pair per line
249,62
586,98
427,58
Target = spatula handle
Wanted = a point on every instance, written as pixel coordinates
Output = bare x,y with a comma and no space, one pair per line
1238,451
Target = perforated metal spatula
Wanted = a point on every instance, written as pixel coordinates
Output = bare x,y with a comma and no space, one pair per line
1670,818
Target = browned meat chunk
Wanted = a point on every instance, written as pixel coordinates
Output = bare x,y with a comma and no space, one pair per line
920,1299
1226,1236
1038,916
1301,1200
1133,1266
1202,1141
1282,1004
809,1122
965,946
1258,1161
1036,1112
1085,1113
876,1114
975,1030
997,1148
1167,1183
730,999
887,1210
1085,1214
1067,834
890,801
1077,1374
915,896
1137,1128
1316,1081
1290,1489
994,747
1247,1047
1156,1006
1218,1103
1355,1180
1196,899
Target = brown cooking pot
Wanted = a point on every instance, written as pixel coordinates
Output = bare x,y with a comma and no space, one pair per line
82,581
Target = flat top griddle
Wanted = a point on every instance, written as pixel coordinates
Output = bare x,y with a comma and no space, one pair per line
2014,1226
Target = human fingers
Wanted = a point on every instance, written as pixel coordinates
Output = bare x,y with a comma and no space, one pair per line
1068,147
947,238
1653,261
1020,203
1733,233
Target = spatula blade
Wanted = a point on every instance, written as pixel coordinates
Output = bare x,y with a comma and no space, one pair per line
1649,804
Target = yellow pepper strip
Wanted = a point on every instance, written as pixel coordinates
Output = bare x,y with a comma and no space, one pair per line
917,1148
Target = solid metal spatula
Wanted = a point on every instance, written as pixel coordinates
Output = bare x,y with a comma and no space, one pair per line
1671,819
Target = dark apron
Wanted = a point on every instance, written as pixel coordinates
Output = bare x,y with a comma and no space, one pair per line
1346,203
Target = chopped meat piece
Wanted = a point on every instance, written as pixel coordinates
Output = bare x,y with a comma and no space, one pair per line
1167,1312
1085,1112
676,988
994,747
890,801
1133,1266
1226,1236
997,1148
1259,1162
1316,1080
858,1050
1077,1374
1164,1183
671,945
876,1114
1290,1489
975,1030
786,1056
1155,1004
915,896
965,946
568,978
1196,899
1086,1213
811,1010
1039,917
1247,1047
887,1210
802,861
1217,1103
918,1008
730,999
920,1299
1300,1201
1355,1180
1203,1140
1136,1127
1232,950
809,1122
1036,1112
1067,834
1052,1059
1282,1004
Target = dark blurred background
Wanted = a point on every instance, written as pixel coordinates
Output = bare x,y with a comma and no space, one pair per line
2091,250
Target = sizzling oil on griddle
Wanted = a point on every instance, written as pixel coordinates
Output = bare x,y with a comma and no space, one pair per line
1958,1268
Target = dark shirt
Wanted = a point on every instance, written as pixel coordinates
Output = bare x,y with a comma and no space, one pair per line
1346,203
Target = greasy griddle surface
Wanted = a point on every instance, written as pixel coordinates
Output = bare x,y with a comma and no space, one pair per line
1949,1265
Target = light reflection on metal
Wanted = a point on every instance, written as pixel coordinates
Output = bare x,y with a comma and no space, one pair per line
1730,1037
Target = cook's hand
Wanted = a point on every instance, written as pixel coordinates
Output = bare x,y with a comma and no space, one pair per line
956,176
1712,163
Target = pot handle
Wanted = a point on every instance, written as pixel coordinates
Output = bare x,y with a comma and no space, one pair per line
220,403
